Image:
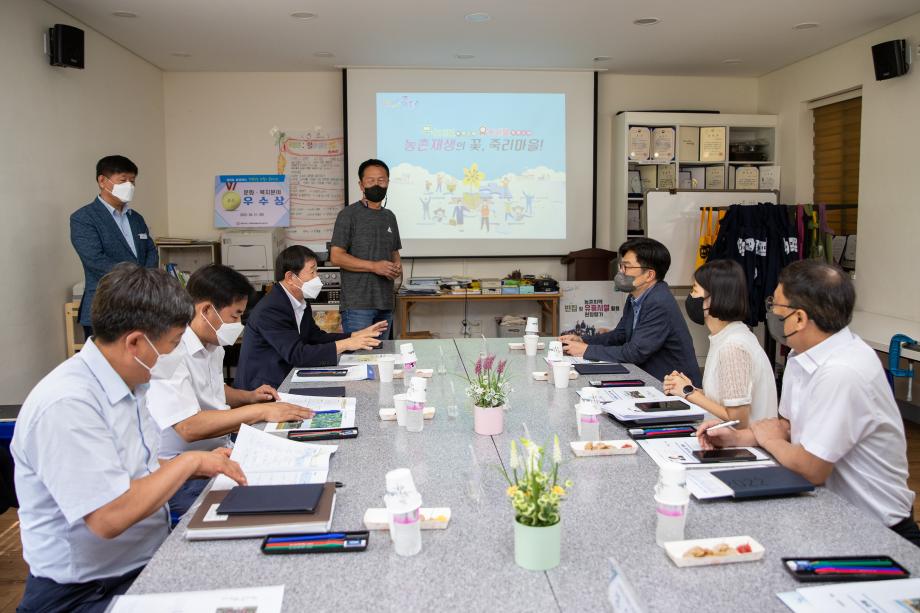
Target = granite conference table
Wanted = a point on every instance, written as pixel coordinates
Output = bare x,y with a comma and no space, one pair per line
470,566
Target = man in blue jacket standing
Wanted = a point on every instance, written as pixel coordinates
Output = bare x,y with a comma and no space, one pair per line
652,333
107,231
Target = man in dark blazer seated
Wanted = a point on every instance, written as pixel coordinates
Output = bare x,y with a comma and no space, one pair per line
280,333
652,334
107,231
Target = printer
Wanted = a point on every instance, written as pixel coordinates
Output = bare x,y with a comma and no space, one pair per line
252,252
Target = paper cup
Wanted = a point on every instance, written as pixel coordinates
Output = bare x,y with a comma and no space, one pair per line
555,350
385,369
530,344
399,401
561,374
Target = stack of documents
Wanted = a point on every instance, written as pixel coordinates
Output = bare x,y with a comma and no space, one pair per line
892,596
680,450
250,599
272,460
620,402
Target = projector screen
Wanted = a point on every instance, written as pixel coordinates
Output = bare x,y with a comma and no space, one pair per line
482,163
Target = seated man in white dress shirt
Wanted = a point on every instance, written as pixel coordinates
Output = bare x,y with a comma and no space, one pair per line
92,494
194,407
839,424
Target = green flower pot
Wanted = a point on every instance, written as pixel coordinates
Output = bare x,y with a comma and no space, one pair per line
537,548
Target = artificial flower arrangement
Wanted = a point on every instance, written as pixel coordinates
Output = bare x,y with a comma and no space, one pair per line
535,493
490,387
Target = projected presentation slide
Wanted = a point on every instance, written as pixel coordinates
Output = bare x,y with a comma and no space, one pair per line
474,165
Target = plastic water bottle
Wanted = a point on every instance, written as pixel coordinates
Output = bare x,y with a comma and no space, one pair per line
404,504
589,427
442,362
415,405
483,348
452,408
409,360
672,499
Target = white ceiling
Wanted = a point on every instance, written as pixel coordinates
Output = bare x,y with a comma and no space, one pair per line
693,38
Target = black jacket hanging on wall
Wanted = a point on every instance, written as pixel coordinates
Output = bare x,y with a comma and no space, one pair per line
762,240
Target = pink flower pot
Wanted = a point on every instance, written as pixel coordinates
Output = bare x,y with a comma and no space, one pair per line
488,420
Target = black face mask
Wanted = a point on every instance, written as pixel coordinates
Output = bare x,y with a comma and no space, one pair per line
375,193
695,310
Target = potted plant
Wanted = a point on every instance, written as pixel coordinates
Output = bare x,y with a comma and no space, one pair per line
489,390
535,495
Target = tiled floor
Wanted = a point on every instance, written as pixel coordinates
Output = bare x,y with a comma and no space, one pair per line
13,569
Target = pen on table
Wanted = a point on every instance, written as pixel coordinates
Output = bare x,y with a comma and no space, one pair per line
334,411
724,424
318,537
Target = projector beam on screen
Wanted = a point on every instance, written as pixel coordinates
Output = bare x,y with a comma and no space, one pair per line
482,163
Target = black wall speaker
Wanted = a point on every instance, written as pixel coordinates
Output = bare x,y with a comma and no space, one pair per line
890,59
66,48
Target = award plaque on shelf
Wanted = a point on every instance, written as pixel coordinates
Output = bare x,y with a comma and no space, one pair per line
747,177
712,144
689,148
663,144
667,176
715,177
640,142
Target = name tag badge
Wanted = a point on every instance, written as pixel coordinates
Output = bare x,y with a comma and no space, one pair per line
142,236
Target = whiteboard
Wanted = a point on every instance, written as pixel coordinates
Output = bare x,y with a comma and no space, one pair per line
673,218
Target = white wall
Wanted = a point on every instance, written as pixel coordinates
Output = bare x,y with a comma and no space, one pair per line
218,123
889,208
55,123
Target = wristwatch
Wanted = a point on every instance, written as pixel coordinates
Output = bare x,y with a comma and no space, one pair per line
688,389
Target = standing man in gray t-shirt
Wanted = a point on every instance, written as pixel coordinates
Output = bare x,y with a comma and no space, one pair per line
365,245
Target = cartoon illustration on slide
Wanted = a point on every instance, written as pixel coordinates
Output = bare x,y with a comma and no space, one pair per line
529,208
458,216
426,202
454,156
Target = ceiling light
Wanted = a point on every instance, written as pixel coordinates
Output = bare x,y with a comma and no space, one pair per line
304,16
646,21
125,14
464,56
323,54
808,25
181,54
602,58
732,61
478,17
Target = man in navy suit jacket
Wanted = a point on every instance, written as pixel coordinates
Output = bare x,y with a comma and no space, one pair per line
280,333
107,231
652,333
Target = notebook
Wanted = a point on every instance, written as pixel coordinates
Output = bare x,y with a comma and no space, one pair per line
329,392
207,524
271,499
601,369
763,481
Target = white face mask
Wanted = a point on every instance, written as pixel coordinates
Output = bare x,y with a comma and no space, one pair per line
123,191
227,333
166,363
311,288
